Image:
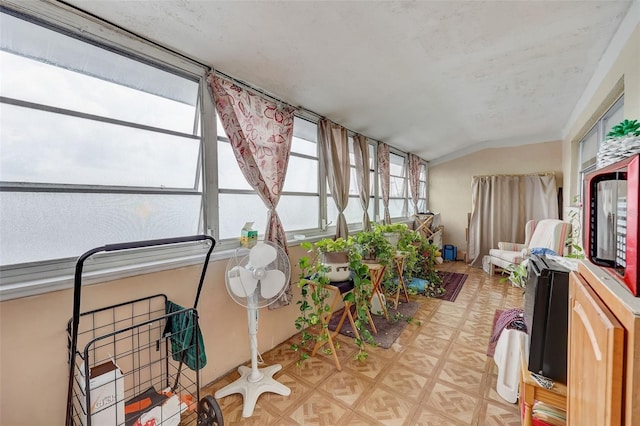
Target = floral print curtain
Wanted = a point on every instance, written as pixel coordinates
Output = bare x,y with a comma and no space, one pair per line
414,180
383,169
260,133
361,154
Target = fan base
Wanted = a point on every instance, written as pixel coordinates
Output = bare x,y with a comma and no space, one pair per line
250,391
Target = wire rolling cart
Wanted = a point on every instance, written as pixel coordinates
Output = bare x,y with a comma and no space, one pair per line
137,363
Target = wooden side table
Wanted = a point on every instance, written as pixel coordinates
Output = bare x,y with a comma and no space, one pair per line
399,260
424,224
531,391
376,273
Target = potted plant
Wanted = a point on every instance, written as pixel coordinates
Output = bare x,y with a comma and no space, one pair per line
314,304
391,231
409,245
620,142
425,269
517,275
373,247
314,301
335,255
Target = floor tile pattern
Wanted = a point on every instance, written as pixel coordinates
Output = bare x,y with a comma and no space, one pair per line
436,373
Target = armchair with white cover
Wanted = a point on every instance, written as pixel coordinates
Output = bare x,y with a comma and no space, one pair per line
549,234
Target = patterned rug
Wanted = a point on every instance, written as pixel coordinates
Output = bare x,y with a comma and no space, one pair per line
452,282
388,330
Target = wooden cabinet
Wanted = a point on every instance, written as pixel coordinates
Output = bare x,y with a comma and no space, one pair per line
603,374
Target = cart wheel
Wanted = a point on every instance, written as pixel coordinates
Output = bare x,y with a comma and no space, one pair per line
209,413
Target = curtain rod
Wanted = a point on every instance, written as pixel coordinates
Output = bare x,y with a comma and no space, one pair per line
306,112
514,175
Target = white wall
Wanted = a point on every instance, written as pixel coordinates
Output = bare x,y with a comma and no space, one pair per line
33,350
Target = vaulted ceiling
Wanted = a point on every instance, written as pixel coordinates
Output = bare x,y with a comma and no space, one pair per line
436,78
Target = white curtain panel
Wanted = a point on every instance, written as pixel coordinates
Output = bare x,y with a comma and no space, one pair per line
502,205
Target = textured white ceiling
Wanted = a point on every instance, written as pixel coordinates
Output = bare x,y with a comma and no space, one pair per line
429,77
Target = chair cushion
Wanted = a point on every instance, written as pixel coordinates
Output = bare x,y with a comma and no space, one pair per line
510,246
507,256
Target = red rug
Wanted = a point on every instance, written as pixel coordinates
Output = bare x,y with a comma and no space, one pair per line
452,282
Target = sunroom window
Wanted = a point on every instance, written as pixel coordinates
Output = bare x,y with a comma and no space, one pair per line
398,187
299,206
97,147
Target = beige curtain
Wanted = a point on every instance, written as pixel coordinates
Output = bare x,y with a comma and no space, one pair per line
334,146
502,205
384,172
361,154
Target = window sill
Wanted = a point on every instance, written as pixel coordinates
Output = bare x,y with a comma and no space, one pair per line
45,277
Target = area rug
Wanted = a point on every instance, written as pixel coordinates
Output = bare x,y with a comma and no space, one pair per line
452,282
388,330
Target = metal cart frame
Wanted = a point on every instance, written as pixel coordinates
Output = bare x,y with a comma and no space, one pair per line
131,365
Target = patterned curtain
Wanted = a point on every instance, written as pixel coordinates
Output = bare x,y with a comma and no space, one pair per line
334,145
361,154
260,134
414,180
383,168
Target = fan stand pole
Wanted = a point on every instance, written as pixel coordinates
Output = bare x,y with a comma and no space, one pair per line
254,381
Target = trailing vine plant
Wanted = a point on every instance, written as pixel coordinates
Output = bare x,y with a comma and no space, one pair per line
314,304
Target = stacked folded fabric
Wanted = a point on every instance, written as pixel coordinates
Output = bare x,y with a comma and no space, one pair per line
548,415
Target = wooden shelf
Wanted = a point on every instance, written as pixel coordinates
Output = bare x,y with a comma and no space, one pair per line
531,391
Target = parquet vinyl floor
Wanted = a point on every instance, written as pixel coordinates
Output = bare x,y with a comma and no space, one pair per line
436,373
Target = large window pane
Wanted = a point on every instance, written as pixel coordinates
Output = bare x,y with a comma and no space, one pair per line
352,213
296,212
229,174
42,66
305,136
76,116
613,117
396,207
396,165
70,150
38,226
589,149
237,209
397,187
302,175
299,212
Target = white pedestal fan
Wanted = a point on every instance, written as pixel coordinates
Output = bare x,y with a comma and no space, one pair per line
256,278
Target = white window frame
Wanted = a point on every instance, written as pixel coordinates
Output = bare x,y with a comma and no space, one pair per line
405,176
599,130
25,279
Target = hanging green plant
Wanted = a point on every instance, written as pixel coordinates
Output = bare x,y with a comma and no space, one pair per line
314,304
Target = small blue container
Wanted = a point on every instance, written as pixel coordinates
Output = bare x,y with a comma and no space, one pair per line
449,252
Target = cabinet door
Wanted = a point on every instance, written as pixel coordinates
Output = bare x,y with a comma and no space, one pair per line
596,344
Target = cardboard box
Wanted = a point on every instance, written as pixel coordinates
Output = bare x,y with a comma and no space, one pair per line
248,236
106,387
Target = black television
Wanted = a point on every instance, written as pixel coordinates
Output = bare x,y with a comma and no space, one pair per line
546,306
